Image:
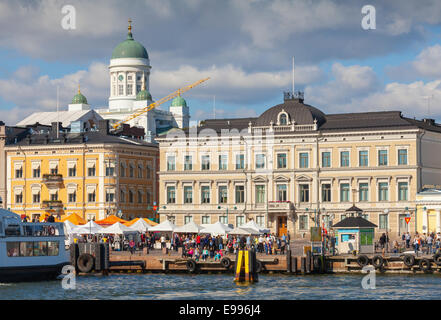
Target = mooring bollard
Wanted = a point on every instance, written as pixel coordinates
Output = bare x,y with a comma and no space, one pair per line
245,269
288,261
294,265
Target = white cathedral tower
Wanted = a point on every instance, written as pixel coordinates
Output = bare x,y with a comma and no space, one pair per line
130,90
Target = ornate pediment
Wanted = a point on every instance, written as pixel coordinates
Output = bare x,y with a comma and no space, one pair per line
281,178
260,179
303,177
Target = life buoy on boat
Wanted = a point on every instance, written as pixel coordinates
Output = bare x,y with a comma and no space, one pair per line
51,231
85,262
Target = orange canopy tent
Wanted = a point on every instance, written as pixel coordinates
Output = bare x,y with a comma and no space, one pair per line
110,220
74,218
150,222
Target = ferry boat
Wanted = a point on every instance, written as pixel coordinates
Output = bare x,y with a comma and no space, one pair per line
30,251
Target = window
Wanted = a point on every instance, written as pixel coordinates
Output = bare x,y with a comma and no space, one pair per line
149,197
223,219
260,194
283,120
140,171
129,88
120,90
326,192
384,221
223,161
342,217
188,163
19,198
206,162
54,170
281,160
223,194
281,192
139,196
110,171
131,171
363,158
363,192
383,189
303,156
344,159
91,171
402,191
54,196
402,156
303,222
91,197
171,194
36,197
73,171
206,220
260,221
122,170
188,194
138,88
171,163
36,172
240,161
205,194
72,197
326,159
19,173
344,192
382,157
304,192
188,219
240,194
260,161
149,172
122,196
240,220
110,196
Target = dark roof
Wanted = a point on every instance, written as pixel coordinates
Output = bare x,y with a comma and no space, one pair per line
354,222
354,209
297,111
88,137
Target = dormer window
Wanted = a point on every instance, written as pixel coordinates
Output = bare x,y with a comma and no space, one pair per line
282,118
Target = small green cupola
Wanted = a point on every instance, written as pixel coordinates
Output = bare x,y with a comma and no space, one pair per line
79,98
143,95
179,102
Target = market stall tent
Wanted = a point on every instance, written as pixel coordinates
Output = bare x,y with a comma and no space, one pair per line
190,227
110,220
148,221
74,218
117,228
253,225
165,226
217,228
244,231
89,228
141,225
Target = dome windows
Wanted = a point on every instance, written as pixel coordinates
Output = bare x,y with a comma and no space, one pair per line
282,119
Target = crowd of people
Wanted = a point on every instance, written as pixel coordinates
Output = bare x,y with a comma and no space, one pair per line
419,243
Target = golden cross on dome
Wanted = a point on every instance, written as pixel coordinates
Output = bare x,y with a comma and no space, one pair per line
79,88
130,25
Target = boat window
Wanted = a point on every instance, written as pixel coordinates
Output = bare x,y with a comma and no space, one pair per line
41,230
12,230
12,249
53,248
1,227
40,248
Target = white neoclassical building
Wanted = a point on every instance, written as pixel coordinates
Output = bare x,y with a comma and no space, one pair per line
429,209
129,71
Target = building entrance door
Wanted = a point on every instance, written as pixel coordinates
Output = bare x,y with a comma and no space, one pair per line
282,227
403,227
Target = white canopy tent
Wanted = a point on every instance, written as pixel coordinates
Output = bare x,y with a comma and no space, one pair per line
244,231
141,226
253,225
70,227
165,226
117,228
217,228
190,227
89,228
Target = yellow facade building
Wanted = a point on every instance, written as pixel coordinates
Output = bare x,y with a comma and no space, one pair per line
429,210
93,174
294,167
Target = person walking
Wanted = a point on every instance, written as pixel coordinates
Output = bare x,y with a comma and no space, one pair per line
407,238
416,243
429,241
131,246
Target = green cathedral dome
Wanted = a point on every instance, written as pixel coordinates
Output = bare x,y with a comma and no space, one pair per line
179,102
79,98
130,48
144,95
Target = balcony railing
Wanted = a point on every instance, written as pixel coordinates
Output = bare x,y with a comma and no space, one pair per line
52,178
280,205
51,204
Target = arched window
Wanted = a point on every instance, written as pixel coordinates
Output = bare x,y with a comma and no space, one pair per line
283,119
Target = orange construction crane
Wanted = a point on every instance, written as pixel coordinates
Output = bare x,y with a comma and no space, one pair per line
153,105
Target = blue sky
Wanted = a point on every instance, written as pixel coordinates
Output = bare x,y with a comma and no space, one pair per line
245,46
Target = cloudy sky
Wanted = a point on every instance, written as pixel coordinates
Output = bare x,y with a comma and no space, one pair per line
245,46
